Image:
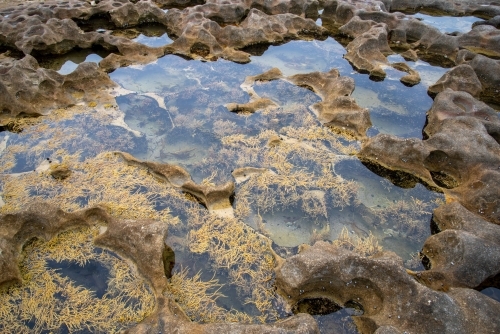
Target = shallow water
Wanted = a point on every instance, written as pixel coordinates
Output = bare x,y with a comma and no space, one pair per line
67,63
315,188
193,128
448,24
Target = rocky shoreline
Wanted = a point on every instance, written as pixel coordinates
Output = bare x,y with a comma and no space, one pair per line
459,154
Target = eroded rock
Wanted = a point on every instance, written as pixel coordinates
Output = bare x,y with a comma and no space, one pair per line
465,252
30,90
142,242
41,221
388,296
216,198
460,78
337,109
460,155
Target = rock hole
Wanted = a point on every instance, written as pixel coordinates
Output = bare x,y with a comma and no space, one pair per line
316,306
168,258
426,262
434,227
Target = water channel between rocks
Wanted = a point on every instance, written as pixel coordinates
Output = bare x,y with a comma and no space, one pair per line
313,187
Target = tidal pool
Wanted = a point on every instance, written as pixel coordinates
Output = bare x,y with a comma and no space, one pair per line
310,186
448,24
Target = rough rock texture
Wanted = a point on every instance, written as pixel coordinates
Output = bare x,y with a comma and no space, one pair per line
200,31
40,221
455,8
388,296
487,71
465,252
200,36
412,78
368,51
27,89
376,32
460,155
337,108
252,106
215,198
460,78
140,241
167,318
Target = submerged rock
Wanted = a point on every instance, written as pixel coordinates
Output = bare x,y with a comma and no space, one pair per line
337,109
460,155
215,198
41,221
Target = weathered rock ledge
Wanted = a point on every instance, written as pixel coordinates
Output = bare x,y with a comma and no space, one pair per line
391,300
142,242
337,109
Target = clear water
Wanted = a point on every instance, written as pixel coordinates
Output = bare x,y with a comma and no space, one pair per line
192,126
153,41
493,293
179,109
67,63
448,24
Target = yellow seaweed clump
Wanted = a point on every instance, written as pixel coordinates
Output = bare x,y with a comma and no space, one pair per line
365,246
244,254
126,191
50,301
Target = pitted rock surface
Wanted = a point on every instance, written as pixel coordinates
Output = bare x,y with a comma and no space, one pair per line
337,108
40,221
465,252
460,155
31,90
140,241
459,78
375,31
388,296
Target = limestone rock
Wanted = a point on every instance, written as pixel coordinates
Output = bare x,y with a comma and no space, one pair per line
400,160
412,78
465,252
42,221
460,155
170,316
143,243
216,198
251,107
30,90
367,51
337,109
199,36
462,8
60,172
380,286
495,22
459,78
487,71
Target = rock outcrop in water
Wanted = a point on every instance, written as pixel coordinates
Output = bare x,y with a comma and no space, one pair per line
215,198
337,109
140,241
459,155
391,300
29,90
